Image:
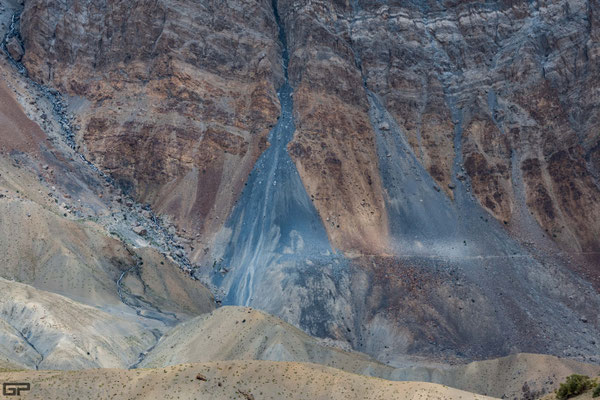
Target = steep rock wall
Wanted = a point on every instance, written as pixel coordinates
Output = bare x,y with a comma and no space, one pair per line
174,98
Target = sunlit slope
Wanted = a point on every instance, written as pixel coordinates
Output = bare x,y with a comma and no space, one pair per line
227,380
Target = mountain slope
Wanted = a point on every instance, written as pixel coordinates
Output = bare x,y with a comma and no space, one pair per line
54,332
188,110
241,333
427,188
521,376
59,235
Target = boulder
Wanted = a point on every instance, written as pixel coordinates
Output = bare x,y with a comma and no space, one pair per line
140,230
15,49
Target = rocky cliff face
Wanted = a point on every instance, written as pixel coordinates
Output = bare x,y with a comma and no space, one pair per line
430,181
508,85
174,99
499,95
187,92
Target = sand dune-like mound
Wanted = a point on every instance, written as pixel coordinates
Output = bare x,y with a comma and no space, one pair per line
242,333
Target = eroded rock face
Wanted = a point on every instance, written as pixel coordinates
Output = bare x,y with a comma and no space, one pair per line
179,95
500,96
77,293
334,146
425,133
175,98
510,86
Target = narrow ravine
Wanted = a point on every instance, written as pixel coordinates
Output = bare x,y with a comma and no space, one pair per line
120,285
139,305
28,342
53,96
157,336
276,237
145,310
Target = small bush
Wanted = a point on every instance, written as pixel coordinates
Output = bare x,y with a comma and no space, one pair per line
596,392
575,384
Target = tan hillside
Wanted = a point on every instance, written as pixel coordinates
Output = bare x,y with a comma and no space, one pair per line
43,330
49,237
77,258
244,380
241,333
515,376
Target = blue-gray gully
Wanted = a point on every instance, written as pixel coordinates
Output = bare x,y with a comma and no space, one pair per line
278,257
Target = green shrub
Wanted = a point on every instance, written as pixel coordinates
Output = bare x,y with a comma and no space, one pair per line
596,392
575,384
